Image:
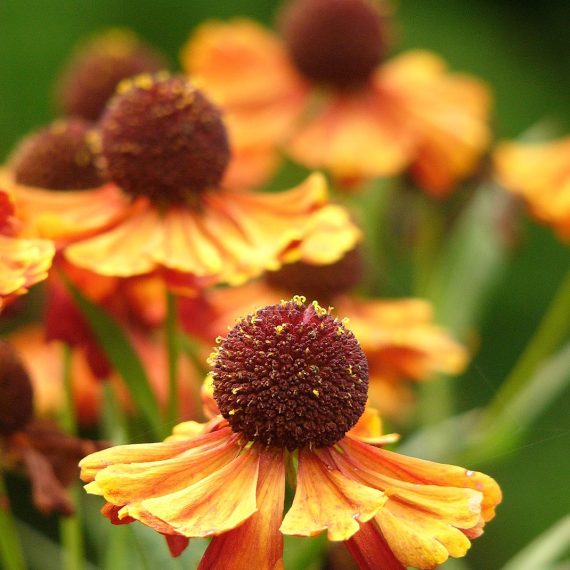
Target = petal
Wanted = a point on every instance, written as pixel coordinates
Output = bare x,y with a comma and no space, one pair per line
539,173
370,550
142,452
369,429
355,137
326,499
238,61
66,215
123,251
421,474
23,263
122,484
448,114
213,505
176,544
257,543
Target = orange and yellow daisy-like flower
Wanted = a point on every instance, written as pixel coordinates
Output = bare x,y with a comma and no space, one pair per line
290,382
540,174
23,262
402,343
322,91
164,148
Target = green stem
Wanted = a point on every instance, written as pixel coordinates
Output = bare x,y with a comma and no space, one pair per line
550,333
11,553
172,350
70,527
114,425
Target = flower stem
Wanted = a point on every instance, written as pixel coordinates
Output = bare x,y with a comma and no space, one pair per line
172,351
11,553
70,527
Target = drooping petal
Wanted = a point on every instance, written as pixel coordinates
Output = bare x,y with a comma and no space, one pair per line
369,429
326,499
212,505
431,506
370,550
176,544
257,543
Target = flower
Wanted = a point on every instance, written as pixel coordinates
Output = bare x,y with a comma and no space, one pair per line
538,172
323,92
164,147
23,262
402,343
98,65
46,455
290,381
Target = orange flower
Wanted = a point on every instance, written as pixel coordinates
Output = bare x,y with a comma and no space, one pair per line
23,262
539,173
331,102
164,146
290,382
398,336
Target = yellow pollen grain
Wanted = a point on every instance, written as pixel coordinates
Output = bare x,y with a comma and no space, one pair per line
345,321
339,331
318,309
279,328
299,300
219,339
316,393
235,391
233,412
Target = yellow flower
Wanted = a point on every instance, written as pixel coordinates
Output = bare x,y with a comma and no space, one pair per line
291,391
23,262
331,101
539,173
164,147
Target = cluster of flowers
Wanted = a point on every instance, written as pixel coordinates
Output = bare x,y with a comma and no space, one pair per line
145,188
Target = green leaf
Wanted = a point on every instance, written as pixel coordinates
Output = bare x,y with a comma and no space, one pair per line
122,356
544,551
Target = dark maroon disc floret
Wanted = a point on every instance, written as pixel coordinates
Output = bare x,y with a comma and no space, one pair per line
160,137
291,376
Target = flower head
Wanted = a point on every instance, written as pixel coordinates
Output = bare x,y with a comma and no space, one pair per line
166,208
98,66
304,377
335,42
332,102
307,379
57,157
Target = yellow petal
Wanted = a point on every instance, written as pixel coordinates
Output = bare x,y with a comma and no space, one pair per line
326,499
213,505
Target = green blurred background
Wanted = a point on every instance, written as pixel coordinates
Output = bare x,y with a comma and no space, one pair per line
522,50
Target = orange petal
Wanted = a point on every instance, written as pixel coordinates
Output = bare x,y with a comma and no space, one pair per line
257,543
142,452
176,544
123,251
23,263
354,137
213,505
250,167
126,483
326,499
66,215
368,547
539,173
448,114
369,429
